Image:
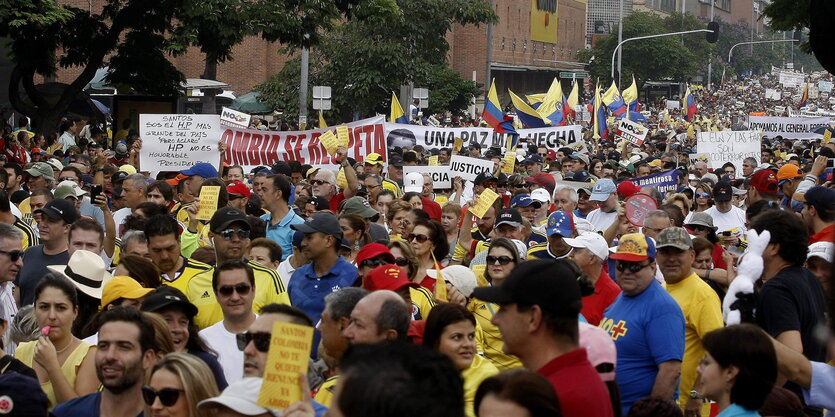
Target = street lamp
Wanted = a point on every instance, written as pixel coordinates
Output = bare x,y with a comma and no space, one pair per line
731,51
648,37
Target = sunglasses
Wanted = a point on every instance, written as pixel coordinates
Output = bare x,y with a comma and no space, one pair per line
167,396
228,233
698,228
319,182
521,185
227,290
633,267
14,255
373,263
502,260
704,195
488,184
420,238
261,340
401,262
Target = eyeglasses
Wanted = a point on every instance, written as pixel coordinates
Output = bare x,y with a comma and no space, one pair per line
703,195
420,238
521,185
319,182
14,255
228,233
227,290
633,267
401,262
502,260
167,396
373,262
261,340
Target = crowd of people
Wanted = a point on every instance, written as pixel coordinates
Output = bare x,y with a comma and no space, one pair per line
116,299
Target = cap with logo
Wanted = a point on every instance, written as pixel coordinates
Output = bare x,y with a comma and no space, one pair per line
823,250
360,206
765,181
373,159
39,169
560,223
387,277
603,188
322,223
395,160
674,237
225,217
319,203
533,159
118,177
634,247
600,349
509,216
524,200
594,242
122,287
59,209
577,156
55,164
484,177
550,284
627,188
722,192
21,395
543,179
238,189
203,169
413,182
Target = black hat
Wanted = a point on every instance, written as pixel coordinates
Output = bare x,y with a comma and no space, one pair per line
722,192
320,222
281,167
550,284
319,202
410,156
396,160
509,216
225,216
484,177
22,396
167,296
118,177
60,209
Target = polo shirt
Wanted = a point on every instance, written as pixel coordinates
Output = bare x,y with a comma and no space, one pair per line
605,293
580,390
307,290
282,233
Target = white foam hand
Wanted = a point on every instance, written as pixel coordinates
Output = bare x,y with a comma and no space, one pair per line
749,271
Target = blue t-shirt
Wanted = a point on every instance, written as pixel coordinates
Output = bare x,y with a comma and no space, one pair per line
87,405
648,329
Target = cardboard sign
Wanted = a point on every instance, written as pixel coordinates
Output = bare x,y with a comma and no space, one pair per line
484,202
208,202
441,178
174,142
287,359
637,206
234,118
632,132
729,146
468,168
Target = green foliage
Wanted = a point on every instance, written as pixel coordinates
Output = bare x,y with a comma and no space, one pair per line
788,14
448,91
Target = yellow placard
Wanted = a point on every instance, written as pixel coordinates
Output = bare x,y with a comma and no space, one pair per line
509,163
457,144
287,358
827,135
208,202
433,161
484,202
342,136
330,142
341,181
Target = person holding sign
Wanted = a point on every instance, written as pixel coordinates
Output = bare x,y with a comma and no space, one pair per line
324,182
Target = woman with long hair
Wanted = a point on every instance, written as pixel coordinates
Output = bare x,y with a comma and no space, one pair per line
139,268
450,220
430,245
451,330
176,384
355,230
519,393
405,258
702,199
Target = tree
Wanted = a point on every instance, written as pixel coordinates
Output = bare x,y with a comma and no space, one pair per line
364,61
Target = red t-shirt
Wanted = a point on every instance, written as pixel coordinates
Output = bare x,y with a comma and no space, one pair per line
580,390
428,283
335,202
605,293
827,234
431,208
718,260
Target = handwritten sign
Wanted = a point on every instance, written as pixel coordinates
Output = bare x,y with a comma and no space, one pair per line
439,174
827,136
329,141
342,136
729,146
234,118
632,132
174,142
287,358
509,163
468,168
484,202
341,180
208,202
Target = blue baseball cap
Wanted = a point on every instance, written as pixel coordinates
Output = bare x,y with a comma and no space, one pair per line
603,188
533,159
580,176
524,200
560,223
203,169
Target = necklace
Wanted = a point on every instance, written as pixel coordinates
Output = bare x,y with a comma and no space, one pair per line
57,351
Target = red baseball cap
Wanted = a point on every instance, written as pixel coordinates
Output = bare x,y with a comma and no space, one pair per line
627,188
765,181
543,179
373,250
239,189
386,277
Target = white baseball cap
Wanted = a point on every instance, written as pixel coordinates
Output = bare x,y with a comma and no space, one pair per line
240,396
591,241
541,195
823,250
413,182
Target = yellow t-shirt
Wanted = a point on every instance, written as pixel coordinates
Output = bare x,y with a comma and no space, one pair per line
189,270
423,300
492,343
268,289
30,238
702,314
325,393
25,353
473,376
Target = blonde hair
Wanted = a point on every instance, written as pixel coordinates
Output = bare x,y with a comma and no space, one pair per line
195,376
682,198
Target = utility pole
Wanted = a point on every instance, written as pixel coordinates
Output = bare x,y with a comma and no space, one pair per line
303,88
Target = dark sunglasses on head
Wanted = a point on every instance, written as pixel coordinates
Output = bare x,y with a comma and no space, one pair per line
167,396
401,262
373,262
420,238
228,233
227,290
261,340
14,255
633,267
502,260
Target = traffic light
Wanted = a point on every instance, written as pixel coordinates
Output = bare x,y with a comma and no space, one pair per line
713,35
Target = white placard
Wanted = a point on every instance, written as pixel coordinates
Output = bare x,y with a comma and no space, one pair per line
173,142
789,79
729,146
772,94
673,104
468,168
632,131
825,86
234,118
441,177
788,127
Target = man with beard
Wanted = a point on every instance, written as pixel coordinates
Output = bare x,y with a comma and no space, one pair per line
125,351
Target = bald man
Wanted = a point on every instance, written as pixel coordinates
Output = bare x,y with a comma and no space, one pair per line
378,317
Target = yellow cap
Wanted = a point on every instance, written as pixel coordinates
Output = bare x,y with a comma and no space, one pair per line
128,168
122,287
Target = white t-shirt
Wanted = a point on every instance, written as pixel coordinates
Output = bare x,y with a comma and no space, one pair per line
119,217
734,218
601,220
285,271
230,357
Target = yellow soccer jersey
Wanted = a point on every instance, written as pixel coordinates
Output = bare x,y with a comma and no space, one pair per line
422,301
189,270
492,342
324,394
30,238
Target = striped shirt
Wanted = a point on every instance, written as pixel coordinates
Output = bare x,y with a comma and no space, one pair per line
30,238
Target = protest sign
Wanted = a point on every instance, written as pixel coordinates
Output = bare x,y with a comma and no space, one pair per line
329,141
437,137
509,163
441,177
632,132
825,86
673,104
553,137
827,136
208,202
790,79
174,142
696,157
287,359
772,94
251,148
234,118
433,161
729,146
484,202
665,181
788,127
468,168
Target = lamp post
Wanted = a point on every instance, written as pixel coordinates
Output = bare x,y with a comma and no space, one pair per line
647,37
731,51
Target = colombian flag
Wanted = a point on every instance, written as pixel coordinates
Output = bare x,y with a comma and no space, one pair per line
397,115
552,104
529,117
572,102
614,101
689,103
805,97
601,129
493,114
